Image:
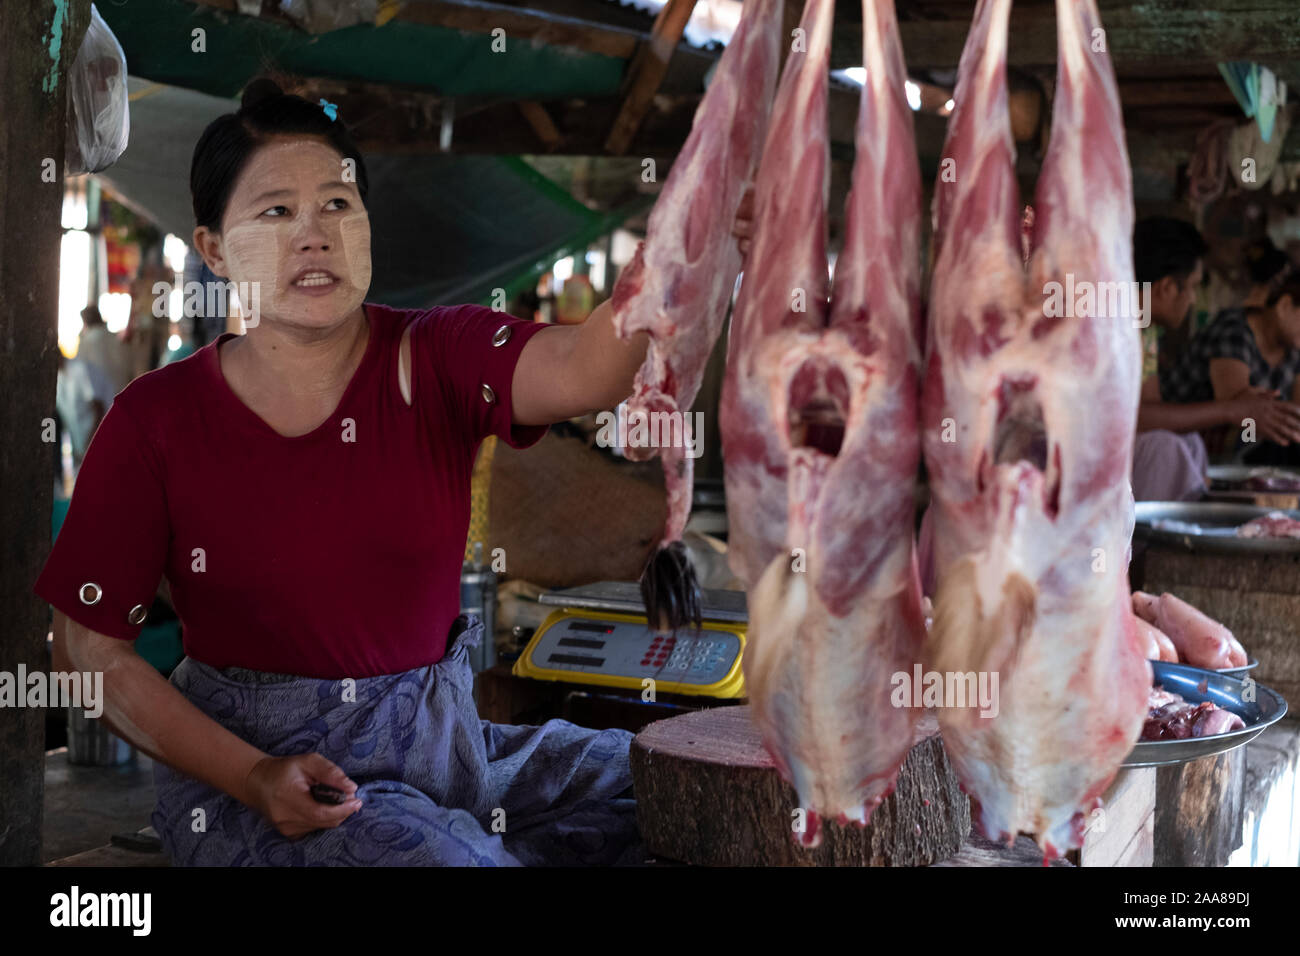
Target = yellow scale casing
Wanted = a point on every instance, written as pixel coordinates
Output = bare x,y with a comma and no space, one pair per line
731,685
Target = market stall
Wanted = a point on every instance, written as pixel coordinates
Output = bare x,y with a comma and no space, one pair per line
748,399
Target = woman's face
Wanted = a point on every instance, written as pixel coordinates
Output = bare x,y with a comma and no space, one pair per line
295,237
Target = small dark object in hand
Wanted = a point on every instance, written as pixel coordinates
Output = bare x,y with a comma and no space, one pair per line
324,793
670,589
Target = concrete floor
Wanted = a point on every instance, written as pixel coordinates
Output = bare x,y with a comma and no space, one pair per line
85,806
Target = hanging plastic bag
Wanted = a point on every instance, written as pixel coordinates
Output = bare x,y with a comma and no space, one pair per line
99,119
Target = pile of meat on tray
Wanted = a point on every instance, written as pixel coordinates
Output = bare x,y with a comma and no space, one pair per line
1175,631
1275,524
1170,717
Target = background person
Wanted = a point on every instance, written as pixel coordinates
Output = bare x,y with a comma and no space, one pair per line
1249,359
103,349
1169,454
83,395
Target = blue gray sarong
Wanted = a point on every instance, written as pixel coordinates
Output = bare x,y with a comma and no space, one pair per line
438,785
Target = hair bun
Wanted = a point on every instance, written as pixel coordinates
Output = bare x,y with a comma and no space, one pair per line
259,91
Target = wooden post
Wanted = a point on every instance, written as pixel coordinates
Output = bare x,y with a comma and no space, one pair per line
1199,806
41,41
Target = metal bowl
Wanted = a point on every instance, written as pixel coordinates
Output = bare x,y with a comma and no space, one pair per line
1250,665
1217,522
1195,685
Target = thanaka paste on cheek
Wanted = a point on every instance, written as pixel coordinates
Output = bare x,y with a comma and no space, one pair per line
355,240
253,263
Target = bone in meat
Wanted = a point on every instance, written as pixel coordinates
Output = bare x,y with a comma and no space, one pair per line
1028,421
679,284
819,431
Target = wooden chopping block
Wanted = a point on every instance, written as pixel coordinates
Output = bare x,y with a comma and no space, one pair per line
707,793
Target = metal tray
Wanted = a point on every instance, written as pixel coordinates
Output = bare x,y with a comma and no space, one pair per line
1209,515
1267,709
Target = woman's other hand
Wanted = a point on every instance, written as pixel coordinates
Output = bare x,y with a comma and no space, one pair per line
282,793
1275,420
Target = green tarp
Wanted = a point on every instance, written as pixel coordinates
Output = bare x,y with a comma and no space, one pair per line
160,44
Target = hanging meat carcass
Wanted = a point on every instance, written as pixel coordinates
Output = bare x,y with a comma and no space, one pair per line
1028,414
819,435
680,282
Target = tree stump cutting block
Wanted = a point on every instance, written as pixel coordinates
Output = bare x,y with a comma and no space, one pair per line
707,793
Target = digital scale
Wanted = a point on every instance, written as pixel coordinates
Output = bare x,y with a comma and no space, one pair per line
598,634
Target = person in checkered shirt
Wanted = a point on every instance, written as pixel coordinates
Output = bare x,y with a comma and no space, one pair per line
1249,359
1222,379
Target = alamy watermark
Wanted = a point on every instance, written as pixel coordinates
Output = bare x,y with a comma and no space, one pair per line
207,298
946,689
1098,300
639,429
56,689
74,908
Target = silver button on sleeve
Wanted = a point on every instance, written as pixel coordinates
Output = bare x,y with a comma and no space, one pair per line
502,336
489,396
137,614
91,593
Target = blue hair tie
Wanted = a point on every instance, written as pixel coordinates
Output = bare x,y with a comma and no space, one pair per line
331,109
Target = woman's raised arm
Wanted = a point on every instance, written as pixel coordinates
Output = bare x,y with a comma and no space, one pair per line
570,370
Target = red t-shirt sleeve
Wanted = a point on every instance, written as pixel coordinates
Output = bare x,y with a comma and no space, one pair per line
464,348
116,534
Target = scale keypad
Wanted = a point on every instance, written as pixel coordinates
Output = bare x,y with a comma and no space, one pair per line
631,649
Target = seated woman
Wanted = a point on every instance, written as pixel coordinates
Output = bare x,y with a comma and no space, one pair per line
1246,360
305,489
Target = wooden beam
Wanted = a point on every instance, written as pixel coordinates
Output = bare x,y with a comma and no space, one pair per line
647,72
1175,93
541,122
41,42
493,128
1158,30
519,24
